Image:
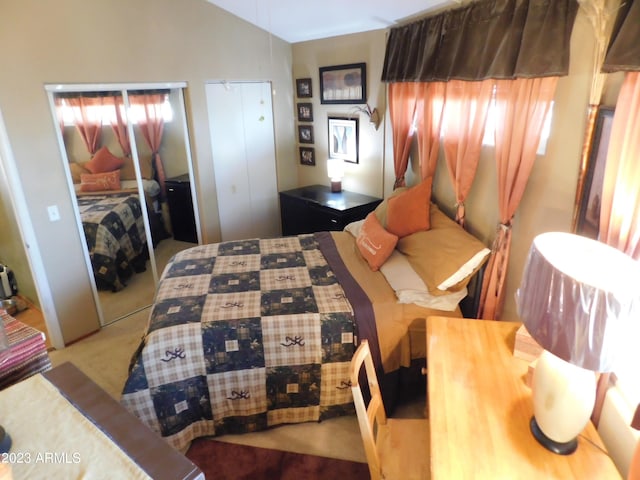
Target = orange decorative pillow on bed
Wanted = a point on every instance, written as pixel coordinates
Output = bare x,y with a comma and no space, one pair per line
408,212
374,242
103,161
96,182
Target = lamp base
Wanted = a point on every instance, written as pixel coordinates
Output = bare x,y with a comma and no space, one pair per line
336,186
566,448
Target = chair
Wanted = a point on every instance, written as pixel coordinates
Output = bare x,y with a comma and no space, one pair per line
396,448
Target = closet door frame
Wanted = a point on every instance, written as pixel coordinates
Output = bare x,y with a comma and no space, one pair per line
122,89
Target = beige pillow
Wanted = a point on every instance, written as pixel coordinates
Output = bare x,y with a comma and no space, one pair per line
446,256
76,171
127,172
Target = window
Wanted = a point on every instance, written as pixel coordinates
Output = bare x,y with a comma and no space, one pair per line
107,115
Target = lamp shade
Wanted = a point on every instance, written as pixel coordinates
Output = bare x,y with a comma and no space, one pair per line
577,297
335,168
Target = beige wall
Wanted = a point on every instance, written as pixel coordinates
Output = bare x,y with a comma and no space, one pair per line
115,41
366,176
202,43
548,201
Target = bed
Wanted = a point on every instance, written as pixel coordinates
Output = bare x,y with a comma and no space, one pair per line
245,335
114,231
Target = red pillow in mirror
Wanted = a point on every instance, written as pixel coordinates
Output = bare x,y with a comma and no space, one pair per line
103,161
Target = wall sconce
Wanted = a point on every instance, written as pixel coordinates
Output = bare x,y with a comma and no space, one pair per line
373,114
335,171
577,298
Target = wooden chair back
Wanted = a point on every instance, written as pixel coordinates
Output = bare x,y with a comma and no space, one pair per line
371,417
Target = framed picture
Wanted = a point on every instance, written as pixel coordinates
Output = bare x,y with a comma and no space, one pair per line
305,112
303,87
307,156
305,133
344,84
588,221
343,138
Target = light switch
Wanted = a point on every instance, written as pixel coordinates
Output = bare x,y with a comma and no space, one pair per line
54,213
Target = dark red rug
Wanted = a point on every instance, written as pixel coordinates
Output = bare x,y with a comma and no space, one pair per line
228,461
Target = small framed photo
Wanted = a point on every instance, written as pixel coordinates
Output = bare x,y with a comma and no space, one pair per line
343,138
344,84
303,87
307,156
305,133
305,112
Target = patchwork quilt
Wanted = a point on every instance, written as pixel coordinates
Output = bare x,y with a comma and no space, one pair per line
243,335
114,231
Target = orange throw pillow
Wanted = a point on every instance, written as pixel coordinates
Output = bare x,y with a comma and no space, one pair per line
408,212
96,182
374,242
104,161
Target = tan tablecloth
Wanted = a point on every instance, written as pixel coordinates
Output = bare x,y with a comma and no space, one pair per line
52,439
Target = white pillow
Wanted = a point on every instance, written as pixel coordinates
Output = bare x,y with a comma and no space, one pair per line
354,228
410,288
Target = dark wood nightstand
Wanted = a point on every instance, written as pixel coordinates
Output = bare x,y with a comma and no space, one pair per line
183,221
315,208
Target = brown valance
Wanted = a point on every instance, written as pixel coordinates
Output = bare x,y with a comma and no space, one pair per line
486,39
624,46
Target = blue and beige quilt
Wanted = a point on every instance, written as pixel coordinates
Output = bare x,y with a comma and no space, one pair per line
244,335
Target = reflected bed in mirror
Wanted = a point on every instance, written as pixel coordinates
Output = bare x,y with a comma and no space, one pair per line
119,145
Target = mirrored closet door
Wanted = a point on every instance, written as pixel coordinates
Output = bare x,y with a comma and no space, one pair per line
126,152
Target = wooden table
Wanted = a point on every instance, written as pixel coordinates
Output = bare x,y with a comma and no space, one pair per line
68,396
480,408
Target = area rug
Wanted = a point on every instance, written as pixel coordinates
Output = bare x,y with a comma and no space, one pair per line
228,461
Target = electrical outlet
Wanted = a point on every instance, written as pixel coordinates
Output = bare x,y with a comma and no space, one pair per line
54,213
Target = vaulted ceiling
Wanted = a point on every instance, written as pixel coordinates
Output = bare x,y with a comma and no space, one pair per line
302,20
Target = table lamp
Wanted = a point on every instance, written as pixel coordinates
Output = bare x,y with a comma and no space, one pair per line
576,298
335,171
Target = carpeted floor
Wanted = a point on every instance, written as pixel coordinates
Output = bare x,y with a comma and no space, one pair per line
228,461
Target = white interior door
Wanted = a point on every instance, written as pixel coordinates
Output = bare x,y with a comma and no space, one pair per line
244,157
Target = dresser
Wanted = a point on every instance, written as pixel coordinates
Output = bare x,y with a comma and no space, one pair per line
183,221
315,208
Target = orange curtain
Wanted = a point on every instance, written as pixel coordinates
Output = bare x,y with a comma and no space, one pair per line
119,125
429,120
620,208
521,108
88,119
152,126
465,114
402,108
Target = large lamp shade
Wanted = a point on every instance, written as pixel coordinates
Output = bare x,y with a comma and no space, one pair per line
577,298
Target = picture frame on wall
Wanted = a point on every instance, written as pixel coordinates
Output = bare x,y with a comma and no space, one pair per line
344,84
305,133
307,156
343,138
588,221
303,88
305,112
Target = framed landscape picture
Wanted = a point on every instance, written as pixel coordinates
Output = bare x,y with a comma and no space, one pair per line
307,156
343,138
344,84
